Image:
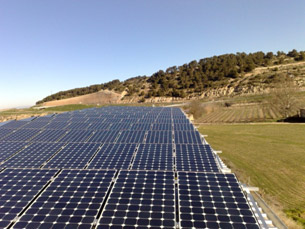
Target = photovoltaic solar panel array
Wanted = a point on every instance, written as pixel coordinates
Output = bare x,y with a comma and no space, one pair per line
115,167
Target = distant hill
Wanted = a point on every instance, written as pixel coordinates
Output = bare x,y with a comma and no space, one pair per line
229,74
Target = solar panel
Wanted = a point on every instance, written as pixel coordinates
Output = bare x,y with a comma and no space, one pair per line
104,136
57,125
7,149
79,119
18,188
113,120
5,132
77,136
99,126
188,137
183,126
135,118
147,120
144,199
14,124
21,135
140,126
212,200
166,177
162,126
72,200
73,155
154,157
46,118
78,125
165,120
33,156
113,156
121,126
49,135
181,121
190,157
35,125
159,137
95,119
131,137
59,118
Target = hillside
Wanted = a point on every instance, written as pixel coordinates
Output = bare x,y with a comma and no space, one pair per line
229,74
101,97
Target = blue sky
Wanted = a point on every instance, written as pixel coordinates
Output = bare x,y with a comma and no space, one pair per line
53,45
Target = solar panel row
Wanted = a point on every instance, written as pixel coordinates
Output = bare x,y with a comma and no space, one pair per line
124,155
115,167
147,199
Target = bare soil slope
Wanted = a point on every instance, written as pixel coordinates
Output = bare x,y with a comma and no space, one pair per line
101,97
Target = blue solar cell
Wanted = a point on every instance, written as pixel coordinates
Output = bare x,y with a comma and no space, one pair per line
140,126
212,200
181,121
147,120
121,126
21,135
162,126
35,125
154,157
14,124
80,119
77,136
163,120
5,132
188,137
73,155
18,188
7,149
131,137
191,157
104,136
61,118
144,199
99,126
159,137
49,135
78,125
44,118
33,156
183,126
73,200
110,119
57,125
113,156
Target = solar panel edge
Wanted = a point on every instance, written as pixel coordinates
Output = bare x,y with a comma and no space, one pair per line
116,184
36,195
61,154
61,145
15,153
253,225
54,179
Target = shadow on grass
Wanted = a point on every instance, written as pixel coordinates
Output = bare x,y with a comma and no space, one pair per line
293,119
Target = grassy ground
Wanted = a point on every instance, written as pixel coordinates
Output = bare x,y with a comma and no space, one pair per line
240,109
269,156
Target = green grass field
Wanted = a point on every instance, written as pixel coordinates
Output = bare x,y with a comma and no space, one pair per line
269,156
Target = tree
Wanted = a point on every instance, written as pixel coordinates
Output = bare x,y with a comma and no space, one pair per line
269,55
301,57
293,53
284,99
